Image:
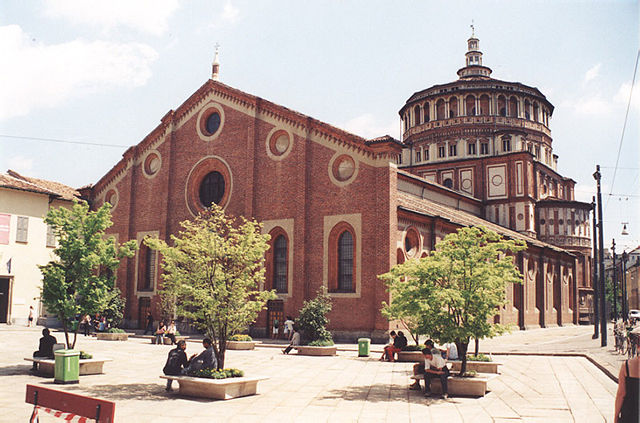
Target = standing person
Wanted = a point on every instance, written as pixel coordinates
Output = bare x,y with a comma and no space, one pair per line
276,325
435,367
452,351
149,327
288,328
176,362
30,318
295,340
205,360
171,332
45,348
86,322
628,395
160,332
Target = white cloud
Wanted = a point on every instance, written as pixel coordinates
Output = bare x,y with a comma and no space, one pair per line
594,105
149,16
584,192
20,164
593,72
36,75
230,13
622,96
367,126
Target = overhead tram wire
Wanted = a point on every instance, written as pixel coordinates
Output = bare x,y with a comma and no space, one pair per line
63,141
624,127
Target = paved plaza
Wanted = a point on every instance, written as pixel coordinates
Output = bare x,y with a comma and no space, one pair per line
530,388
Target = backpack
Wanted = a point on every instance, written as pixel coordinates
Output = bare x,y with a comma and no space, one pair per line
174,364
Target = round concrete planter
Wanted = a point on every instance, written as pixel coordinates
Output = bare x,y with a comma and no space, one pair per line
103,336
411,356
241,345
477,366
317,351
221,389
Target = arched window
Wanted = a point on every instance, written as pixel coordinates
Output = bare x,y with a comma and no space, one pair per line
277,261
426,112
146,268
280,264
527,110
484,104
502,106
536,110
440,109
416,115
345,262
513,107
453,107
471,105
212,189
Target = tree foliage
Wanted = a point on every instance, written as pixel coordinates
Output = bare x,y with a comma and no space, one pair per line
80,280
453,293
215,269
313,319
113,310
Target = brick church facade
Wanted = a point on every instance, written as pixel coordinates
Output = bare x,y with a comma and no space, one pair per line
342,209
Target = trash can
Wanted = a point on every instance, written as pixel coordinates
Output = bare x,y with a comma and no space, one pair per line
363,347
67,367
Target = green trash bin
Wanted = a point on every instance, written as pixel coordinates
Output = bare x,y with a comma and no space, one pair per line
67,367
363,347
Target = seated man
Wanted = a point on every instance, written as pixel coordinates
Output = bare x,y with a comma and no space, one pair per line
418,368
45,349
295,340
435,367
176,362
205,360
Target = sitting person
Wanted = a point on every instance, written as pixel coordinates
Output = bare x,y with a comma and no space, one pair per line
435,367
418,368
451,351
171,332
176,362
399,342
45,349
205,360
160,332
295,340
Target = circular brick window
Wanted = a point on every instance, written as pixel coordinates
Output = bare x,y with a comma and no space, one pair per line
496,180
343,169
448,182
111,198
152,164
210,121
209,182
542,221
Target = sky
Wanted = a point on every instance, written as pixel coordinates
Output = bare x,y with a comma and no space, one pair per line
106,72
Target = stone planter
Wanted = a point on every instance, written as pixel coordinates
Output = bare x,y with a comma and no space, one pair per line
317,351
167,341
103,336
477,366
88,366
222,389
410,356
241,345
462,386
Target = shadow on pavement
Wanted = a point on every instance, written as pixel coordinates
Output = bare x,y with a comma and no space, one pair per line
130,391
18,369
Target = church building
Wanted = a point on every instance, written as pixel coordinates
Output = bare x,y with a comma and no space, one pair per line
342,209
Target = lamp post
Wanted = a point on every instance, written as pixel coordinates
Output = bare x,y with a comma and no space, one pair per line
614,281
625,306
594,277
603,319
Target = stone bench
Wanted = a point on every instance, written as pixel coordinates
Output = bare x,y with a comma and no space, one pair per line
107,336
316,351
88,366
221,389
461,386
241,345
167,341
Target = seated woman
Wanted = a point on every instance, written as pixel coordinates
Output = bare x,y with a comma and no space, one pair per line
295,340
399,342
160,332
171,332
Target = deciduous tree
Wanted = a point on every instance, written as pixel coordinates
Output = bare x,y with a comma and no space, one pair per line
80,280
453,293
215,270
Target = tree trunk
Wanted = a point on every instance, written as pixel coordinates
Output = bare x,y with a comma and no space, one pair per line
477,346
66,332
462,353
75,336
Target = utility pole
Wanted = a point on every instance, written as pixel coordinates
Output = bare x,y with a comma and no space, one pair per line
594,276
603,318
614,281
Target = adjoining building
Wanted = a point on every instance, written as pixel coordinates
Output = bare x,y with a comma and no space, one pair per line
26,241
342,209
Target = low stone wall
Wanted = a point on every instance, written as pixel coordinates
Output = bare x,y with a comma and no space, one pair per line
221,389
105,336
317,351
241,345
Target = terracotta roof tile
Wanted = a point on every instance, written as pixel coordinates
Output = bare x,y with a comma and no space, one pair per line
462,218
14,180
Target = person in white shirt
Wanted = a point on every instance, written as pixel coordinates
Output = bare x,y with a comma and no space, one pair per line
452,351
288,328
435,367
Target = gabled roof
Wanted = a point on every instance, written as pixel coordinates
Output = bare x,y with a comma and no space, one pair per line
283,113
411,203
14,180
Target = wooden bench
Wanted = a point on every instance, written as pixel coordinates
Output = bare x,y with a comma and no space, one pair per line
462,386
222,389
89,366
